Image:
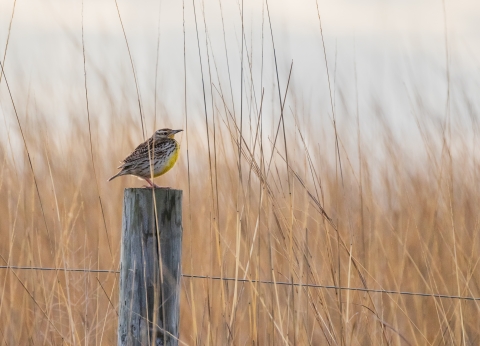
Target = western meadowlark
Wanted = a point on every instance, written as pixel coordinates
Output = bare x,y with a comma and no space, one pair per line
154,157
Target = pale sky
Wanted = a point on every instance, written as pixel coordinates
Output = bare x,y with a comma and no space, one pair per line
398,48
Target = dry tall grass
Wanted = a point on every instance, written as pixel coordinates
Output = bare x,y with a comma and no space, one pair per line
396,219
399,224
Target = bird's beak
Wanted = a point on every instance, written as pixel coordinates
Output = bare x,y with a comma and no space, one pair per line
176,131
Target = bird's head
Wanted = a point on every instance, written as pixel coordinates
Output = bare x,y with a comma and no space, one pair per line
165,133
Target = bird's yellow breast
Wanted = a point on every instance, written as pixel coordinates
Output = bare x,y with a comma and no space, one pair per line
170,162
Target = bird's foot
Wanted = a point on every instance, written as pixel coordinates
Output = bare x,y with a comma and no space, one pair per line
148,187
156,187
153,185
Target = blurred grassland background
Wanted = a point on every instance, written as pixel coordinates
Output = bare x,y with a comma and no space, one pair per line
385,144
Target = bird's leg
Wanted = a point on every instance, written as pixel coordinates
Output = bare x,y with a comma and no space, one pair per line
152,185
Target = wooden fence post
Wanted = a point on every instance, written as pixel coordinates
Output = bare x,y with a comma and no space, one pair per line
150,294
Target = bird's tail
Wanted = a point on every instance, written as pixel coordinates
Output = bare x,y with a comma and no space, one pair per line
117,175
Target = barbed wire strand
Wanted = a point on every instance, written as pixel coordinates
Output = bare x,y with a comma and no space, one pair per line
62,269
298,284
285,283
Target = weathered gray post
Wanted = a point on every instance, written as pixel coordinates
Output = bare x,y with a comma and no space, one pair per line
150,294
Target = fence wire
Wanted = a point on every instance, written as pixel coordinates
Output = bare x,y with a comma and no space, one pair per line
283,283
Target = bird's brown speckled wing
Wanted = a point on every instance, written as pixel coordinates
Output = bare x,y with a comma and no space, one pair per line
141,152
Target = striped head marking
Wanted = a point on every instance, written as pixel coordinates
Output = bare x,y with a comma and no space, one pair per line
165,133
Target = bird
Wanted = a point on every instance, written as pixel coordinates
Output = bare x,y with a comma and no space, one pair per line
153,158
